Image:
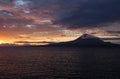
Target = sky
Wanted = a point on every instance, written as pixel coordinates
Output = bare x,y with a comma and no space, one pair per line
44,21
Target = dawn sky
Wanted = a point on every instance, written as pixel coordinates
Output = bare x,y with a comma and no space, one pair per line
37,21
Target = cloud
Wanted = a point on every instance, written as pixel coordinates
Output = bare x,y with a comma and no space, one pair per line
111,39
70,14
116,33
13,23
91,13
21,3
32,43
25,14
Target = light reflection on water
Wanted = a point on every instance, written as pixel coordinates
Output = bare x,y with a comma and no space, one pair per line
59,63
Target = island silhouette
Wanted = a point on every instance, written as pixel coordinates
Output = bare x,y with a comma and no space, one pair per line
86,40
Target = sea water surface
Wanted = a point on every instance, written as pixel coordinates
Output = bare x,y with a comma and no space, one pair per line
59,63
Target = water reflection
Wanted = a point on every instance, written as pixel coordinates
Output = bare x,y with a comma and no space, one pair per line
59,63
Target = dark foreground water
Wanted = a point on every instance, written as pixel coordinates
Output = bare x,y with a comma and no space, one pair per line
59,63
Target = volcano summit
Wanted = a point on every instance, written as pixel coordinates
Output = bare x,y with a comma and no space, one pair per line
85,40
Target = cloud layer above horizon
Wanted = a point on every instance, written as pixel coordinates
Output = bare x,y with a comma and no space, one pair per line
75,13
55,16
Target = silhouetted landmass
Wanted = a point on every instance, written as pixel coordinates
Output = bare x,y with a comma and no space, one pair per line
7,45
85,40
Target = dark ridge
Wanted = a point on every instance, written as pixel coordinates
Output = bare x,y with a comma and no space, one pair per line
85,40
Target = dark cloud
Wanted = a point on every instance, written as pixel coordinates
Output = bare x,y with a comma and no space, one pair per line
92,13
71,14
17,22
114,32
111,38
29,43
6,13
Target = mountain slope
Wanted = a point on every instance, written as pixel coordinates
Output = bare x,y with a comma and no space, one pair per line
85,40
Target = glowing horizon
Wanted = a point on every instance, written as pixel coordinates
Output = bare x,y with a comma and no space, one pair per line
56,21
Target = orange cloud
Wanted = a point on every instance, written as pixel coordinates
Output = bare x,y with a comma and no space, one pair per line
18,14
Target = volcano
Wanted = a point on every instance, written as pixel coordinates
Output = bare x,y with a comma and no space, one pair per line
85,40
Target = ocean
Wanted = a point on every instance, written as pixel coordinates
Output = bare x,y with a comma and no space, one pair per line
59,63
